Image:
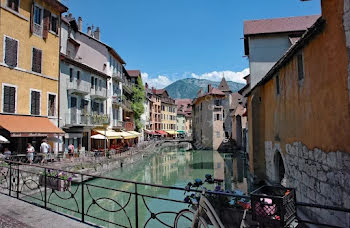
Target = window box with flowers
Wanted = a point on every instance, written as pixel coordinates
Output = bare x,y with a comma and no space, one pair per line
58,181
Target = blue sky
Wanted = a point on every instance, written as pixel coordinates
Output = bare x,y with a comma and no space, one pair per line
174,39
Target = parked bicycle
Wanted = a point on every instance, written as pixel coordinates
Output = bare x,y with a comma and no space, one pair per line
200,213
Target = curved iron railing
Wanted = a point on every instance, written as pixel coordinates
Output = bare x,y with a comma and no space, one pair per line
120,206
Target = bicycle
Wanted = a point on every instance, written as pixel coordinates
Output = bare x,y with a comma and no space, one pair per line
193,217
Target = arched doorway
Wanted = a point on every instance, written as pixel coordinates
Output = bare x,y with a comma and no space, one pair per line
279,167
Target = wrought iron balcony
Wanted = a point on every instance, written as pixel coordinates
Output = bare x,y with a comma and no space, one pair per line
117,123
127,105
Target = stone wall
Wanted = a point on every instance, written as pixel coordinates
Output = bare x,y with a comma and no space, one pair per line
346,22
319,178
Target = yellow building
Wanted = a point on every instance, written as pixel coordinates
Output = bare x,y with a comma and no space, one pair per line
29,64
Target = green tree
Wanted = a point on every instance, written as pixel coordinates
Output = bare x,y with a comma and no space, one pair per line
138,99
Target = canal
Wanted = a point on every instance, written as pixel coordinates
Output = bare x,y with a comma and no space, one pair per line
112,201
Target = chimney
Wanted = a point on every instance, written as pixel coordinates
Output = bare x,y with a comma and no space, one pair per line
80,24
70,15
97,33
92,30
209,88
89,31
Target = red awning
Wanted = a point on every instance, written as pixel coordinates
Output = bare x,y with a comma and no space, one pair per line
29,126
161,132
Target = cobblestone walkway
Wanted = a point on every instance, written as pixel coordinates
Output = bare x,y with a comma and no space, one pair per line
18,214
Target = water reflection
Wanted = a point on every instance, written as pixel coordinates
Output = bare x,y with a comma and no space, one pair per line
171,167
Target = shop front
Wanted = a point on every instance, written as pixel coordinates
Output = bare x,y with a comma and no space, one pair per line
20,130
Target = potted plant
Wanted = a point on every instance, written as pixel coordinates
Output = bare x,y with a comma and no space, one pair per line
59,181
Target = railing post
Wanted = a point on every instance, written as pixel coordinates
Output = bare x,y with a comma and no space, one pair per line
10,180
82,199
136,207
18,181
45,182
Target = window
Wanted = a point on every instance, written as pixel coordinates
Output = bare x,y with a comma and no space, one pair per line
35,103
96,83
11,51
92,82
13,4
217,117
217,102
100,85
51,105
37,15
54,24
36,61
218,134
101,108
78,75
9,99
300,60
277,84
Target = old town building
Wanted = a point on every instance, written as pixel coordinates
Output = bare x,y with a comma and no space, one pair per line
293,138
29,69
184,117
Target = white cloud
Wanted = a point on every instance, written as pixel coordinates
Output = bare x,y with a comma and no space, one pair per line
229,75
159,82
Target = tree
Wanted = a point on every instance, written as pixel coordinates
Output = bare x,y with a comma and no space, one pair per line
138,99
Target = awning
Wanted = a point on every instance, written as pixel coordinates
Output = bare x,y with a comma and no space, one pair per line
110,134
98,136
161,132
135,133
171,132
3,139
29,126
128,135
181,132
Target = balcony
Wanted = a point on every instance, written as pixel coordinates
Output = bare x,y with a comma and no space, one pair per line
78,87
127,105
127,85
117,76
128,126
88,119
98,93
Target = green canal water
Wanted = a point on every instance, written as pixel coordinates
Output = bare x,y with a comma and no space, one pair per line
170,167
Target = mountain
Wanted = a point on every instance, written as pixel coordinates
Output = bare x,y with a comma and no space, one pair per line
188,87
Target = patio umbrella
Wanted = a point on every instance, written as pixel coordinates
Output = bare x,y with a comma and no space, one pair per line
3,139
98,136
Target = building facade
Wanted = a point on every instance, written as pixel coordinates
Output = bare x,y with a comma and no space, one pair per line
184,116
207,119
29,69
299,117
273,36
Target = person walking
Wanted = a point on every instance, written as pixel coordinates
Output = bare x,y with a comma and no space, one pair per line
30,153
7,153
71,151
45,150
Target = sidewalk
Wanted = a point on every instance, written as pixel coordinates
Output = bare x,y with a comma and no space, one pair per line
18,214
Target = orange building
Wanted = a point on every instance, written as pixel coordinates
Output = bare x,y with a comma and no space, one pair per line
299,115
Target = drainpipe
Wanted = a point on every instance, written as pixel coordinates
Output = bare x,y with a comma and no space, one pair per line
59,78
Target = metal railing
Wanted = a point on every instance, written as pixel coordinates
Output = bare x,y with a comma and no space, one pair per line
96,202
106,201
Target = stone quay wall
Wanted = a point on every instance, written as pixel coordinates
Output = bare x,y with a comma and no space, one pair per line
319,177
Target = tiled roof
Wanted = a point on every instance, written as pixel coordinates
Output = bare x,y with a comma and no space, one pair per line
134,73
224,86
278,25
184,106
158,91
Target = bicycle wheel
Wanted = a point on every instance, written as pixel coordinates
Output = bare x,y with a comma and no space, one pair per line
184,220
